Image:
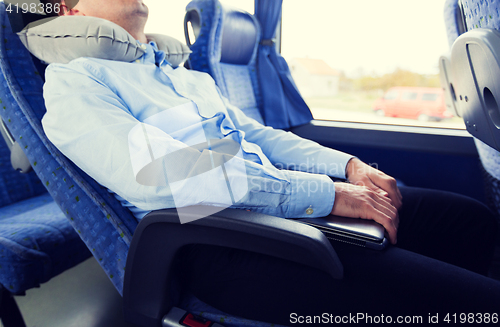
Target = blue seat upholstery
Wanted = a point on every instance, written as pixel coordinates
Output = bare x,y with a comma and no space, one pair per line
37,242
226,46
453,19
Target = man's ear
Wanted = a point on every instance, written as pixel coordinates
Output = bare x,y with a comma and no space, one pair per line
68,8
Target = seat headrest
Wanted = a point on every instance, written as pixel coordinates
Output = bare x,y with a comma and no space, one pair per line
240,37
475,58
62,39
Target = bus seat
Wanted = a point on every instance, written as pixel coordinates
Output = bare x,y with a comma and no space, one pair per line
454,24
454,27
127,250
475,51
36,240
454,20
225,46
447,84
464,19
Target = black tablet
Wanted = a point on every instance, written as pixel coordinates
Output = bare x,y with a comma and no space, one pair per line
361,232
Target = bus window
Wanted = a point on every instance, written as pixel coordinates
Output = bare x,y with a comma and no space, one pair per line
174,25
363,49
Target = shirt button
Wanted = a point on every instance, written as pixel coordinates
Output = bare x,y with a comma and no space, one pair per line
309,211
143,46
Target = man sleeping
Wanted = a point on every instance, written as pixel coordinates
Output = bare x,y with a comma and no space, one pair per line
116,119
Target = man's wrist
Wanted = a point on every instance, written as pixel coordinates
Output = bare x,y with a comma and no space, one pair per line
312,195
348,167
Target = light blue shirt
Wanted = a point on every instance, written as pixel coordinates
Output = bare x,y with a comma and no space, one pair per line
117,120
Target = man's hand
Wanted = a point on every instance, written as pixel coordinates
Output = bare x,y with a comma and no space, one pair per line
356,201
359,173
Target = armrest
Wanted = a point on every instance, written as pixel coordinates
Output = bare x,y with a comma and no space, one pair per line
150,290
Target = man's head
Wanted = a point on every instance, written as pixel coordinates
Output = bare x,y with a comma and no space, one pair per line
129,14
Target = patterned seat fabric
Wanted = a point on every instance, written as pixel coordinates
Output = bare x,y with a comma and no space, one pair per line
37,242
452,19
226,48
481,14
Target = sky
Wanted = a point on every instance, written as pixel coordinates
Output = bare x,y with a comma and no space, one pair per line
357,37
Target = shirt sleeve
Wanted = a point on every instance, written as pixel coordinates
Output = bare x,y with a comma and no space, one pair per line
289,151
94,128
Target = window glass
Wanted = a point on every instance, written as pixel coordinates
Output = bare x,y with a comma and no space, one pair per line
408,96
366,47
391,95
167,17
430,97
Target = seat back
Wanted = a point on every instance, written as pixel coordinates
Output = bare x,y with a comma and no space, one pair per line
226,46
479,109
455,26
454,20
103,224
36,241
14,186
474,66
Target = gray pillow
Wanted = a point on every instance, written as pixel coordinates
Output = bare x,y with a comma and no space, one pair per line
62,39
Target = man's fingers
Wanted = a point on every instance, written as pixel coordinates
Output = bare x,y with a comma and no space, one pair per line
360,173
380,196
383,212
361,202
389,185
387,222
386,207
367,182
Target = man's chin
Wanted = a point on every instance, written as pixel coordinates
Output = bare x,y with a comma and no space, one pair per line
143,10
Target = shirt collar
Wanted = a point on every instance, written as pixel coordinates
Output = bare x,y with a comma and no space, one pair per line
152,55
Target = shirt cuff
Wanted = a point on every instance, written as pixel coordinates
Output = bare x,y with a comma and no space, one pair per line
337,162
312,195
